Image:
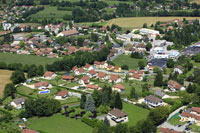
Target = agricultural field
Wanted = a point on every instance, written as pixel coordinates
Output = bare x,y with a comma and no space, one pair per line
50,12
58,124
137,22
127,60
195,1
25,59
4,79
135,113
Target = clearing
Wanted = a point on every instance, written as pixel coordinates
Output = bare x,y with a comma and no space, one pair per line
135,113
58,124
4,79
25,59
137,22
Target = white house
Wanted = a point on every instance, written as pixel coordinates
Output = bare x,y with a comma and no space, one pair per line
92,73
117,116
115,79
153,101
84,80
88,67
174,86
18,103
79,71
102,76
152,33
178,69
118,88
61,95
49,75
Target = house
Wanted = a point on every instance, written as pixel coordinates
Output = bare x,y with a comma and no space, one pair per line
74,68
18,103
49,75
79,71
22,126
118,88
92,87
160,94
110,68
68,33
136,76
153,101
115,79
61,95
131,72
29,131
88,67
117,69
100,65
102,76
149,32
167,130
140,72
117,116
72,49
84,80
92,73
178,69
161,63
42,85
174,86
67,77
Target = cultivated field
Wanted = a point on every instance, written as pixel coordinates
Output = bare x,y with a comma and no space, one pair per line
4,79
59,124
50,12
25,59
137,22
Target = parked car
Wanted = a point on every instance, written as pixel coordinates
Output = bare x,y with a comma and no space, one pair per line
179,125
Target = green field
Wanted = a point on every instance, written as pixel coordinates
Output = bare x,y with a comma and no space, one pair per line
176,121
137,22
135,113
127,60
50,12
25,59
58,124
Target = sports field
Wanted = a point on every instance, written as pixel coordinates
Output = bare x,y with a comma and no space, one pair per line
4,79
25,59
137,22
58,124
50,12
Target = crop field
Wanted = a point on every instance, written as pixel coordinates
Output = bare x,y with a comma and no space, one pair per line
4,79
25,59
137,22
50,12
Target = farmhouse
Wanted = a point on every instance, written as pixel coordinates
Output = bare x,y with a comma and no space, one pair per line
49,75
174,86
18,103
153,101
42,85
117,115
84,80
68,33
115,79
61,95
118,88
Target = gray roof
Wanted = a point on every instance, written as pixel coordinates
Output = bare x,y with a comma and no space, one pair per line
159,93
162,63
19,101
153,99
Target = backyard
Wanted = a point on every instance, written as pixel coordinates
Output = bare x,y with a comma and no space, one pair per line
25,59
58,124
4,79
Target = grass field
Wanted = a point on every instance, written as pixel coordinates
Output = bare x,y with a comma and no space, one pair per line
25,59
176,121
137,22
4,79
50,12
127,60
58,124
135,113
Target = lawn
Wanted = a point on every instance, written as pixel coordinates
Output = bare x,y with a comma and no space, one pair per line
50,12
25,59
4,79
176,121
137,22
135,113
58,124
195,128
127,60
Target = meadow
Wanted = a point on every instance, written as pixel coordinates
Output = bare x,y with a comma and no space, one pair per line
25,59
58,124
4,79
137,22
50,12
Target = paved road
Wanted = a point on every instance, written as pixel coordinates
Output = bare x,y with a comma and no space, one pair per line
107,72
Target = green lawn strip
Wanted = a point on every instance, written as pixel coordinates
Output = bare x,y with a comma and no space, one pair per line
135,113
176,121
58,124
127,60
25,59
195,128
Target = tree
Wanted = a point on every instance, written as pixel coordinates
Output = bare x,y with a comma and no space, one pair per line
40,70
132,93
190,88
141,64
89,105
118,102
121,128
145,126
106,121
9,90
148,46
106,95
83,100
170,63
17,77
158,79
97,97
145,87
125,67
144,25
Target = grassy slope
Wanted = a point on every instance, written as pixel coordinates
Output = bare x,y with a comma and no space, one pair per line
4,79
126,60
136,22
59,124
135,113
25,59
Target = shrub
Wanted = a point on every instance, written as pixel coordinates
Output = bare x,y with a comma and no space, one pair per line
92,122
72,115
103,109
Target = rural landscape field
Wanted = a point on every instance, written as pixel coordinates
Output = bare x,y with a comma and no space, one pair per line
4,79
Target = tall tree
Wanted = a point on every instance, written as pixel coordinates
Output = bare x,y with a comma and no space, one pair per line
121,128
132,93
158,79
97,97
9,90
17,77
106,95
89,105
118,102
83,100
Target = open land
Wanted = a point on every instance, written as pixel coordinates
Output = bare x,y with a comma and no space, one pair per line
4,79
